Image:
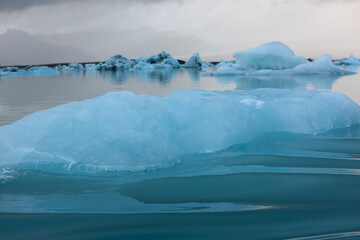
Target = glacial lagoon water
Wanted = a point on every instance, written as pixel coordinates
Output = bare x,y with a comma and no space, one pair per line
279,185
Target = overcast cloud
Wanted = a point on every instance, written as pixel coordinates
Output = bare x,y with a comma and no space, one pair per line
310,27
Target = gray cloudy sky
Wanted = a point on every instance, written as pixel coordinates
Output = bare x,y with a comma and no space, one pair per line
310,27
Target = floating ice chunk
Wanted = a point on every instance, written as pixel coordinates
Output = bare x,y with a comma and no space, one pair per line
70,67
11,69
352,60
76,66
225,71
207,65
194,61
321,65
273,55
38,70
90,66
116,62
161,58
143,65
223,63
124,131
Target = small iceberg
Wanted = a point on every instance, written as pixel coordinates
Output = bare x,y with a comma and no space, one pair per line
352,60
116,62
194,61
162,60
207,65
224,63
33,70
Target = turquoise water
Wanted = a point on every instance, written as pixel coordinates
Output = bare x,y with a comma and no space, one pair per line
277,186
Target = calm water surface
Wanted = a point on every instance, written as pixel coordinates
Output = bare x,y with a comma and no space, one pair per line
278,186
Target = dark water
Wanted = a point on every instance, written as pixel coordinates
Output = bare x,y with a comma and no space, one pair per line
277,186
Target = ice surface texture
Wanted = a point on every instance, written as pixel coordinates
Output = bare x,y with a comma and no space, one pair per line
273,55
124,131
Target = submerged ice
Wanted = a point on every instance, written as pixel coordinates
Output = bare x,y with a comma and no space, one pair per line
124,131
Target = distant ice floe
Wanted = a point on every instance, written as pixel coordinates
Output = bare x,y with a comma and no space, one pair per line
35,70
224,63
352,60
162,60
275,58
116,62
70,67
273,55
207,65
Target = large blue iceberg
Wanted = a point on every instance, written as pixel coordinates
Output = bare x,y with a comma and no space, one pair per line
273,55
124,131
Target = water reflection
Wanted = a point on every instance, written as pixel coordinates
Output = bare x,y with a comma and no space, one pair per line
284,82
23,94
115,77
161,76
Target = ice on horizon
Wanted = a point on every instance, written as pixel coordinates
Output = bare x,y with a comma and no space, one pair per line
268,59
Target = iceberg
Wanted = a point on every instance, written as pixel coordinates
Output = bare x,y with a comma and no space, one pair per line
207,65
145,65
90,66
76,66
11,69
161,60
63,68
126,132
320,66
273,55
70,67
352,60
116,62
34,70
194,61
224,63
